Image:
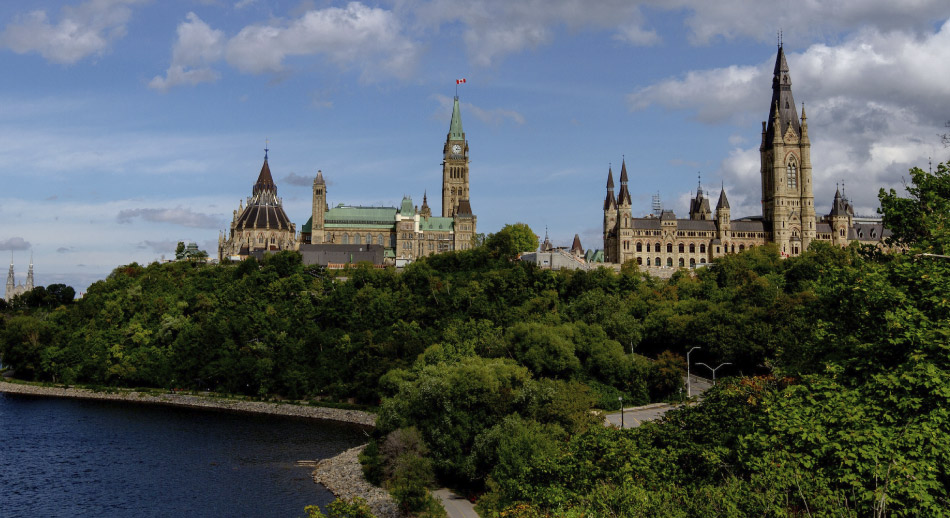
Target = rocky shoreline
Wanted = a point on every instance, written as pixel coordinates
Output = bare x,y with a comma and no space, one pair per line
192,401
343,476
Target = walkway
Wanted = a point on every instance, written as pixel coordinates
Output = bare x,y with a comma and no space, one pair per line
635,416
455,505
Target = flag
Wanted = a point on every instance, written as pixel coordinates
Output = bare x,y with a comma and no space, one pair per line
460,81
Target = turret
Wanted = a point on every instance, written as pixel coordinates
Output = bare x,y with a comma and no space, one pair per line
318,210
455,182
723,217
11,281
29,274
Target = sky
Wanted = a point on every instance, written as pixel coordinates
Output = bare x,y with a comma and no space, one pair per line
129,125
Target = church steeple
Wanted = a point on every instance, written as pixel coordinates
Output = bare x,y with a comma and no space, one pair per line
455,127
623,199
454,166
783,109
610,202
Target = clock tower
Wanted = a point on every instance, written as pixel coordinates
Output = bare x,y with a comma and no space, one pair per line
454,166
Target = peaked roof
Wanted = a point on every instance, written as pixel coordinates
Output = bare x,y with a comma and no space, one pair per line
723,202
464,208
610,202
319,179
624,196
782,101
265,182
455,127
576,247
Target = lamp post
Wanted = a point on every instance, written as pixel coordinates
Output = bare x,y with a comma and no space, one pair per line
689,393
620,398
714,370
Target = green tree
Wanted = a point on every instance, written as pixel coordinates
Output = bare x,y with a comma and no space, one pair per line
922,219
512,240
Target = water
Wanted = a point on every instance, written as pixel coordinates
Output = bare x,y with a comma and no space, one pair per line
71,458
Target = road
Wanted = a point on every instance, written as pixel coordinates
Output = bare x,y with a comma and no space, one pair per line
634,417
455,506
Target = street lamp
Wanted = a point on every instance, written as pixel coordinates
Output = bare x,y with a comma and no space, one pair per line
620,398
713,370
688,383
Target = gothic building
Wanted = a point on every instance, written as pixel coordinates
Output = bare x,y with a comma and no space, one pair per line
261,225
14,289
788,206
407,232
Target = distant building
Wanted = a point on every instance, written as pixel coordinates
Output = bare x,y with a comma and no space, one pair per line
406,232
788,210
14,289
563,258
261,225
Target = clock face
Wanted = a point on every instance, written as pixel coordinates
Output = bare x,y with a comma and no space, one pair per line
456,149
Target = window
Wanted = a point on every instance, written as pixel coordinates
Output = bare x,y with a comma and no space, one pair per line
657,263
702,248
639,246
692,262
648,261
640,260
733,248
346,238
669,262
682,249
648,247
669,249
791,173
657,247
681,262
357,240
692,248
741,247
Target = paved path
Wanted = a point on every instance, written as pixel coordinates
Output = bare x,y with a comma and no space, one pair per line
634,417
455,505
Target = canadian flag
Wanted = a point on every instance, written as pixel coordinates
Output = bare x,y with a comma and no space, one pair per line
460,81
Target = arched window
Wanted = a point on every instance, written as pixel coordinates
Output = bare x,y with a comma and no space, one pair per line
741,247
648,247
640,260
657,263
682,263
692,248
357,240
260,238
657,247
669,249
648,261
791,174
669,262
682,248
692,262
733,248
380,242
702,248
702,260
639,246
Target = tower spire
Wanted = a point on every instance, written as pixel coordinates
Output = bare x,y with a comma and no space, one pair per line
455,126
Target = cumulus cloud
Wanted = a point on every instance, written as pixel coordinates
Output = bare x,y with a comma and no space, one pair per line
197,46
81,31
15,243
177,216
869,101
356,35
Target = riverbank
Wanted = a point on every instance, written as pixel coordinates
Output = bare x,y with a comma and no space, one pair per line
358,417
343,476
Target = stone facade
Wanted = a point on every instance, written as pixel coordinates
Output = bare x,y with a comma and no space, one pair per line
788,207
408,231
261,225
14,289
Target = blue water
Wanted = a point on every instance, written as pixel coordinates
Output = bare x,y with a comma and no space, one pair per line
74,458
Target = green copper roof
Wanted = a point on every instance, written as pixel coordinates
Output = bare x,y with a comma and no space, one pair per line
342,214
407,210
455,127
308,226
436,223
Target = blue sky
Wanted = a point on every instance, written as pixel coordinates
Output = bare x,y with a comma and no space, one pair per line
129,125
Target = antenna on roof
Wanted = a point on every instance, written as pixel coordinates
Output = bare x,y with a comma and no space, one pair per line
699,187
779,38
266,143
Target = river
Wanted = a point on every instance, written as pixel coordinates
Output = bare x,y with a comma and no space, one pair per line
69,458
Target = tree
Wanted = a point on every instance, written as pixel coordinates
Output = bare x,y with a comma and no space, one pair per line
180,250
921,220
513,239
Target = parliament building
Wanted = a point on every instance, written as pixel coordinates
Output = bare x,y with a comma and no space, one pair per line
404,233
788,217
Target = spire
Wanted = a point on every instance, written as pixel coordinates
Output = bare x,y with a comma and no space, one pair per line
319,179
265,182
610,202
576,247
455,127
723,202
624,197
782,107
29,273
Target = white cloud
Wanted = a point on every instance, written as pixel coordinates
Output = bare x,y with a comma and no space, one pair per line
81,31
177,216
369,38
241,4
197,46
870,102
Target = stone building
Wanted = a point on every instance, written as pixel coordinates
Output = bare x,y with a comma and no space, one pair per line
407,232
788,210
14,289
261,225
